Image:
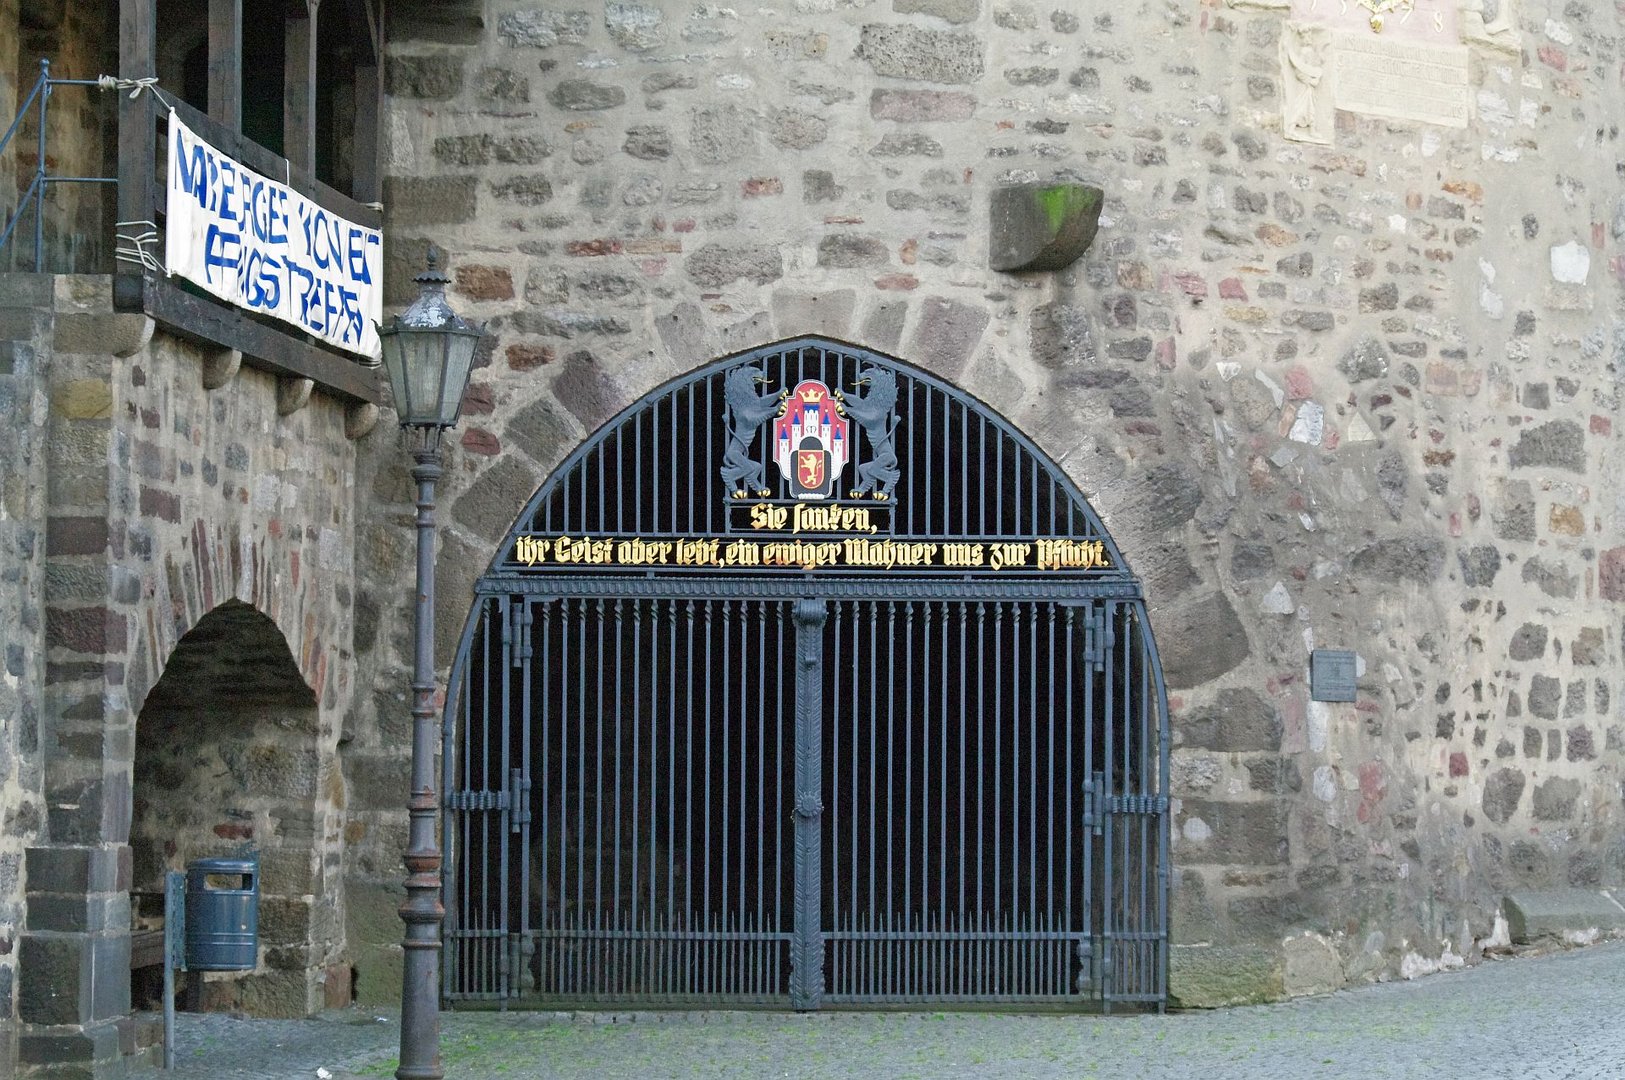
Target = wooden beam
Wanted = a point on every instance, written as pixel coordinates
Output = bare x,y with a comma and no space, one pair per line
299,95
137,169
269,348
375,29
226,62
369,112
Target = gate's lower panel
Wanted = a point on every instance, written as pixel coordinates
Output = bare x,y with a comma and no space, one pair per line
956,738
660,835
986,824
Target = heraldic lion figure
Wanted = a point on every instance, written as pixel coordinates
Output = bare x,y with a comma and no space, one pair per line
747,411
873,413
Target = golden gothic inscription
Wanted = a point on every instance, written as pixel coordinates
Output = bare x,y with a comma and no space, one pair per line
811,554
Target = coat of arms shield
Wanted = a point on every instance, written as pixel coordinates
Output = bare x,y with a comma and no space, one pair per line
811,440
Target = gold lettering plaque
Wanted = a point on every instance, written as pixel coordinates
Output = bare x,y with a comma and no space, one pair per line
810,553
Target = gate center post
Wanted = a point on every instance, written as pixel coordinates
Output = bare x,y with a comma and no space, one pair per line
807,941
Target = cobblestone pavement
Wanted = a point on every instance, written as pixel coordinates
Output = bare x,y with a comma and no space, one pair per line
1530,1018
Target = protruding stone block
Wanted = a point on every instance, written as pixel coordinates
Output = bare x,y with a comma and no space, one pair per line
360,417
220,366
123,334
1042,226
292,394
1558,913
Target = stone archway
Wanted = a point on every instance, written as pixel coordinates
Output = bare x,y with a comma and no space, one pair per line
807,607
230,756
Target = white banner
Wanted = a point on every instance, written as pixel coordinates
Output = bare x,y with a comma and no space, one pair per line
261,245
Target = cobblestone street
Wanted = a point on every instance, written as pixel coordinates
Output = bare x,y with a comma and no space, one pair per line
1529,1018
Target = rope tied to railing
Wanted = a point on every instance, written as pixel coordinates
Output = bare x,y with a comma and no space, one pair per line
134,86
131,247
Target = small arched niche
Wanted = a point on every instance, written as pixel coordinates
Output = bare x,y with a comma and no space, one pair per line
229,759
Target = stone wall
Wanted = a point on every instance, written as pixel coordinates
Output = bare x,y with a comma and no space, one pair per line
1361,393
212,531
24,359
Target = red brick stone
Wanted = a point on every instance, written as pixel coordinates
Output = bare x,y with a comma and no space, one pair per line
1299,386
525,357
479,441
1191,284
92,629
485,282
1458,764
164,505
1553,57
478,401
897,282
1373,784
1232,289
76,536
601,246
1611,574
758,186
1601,425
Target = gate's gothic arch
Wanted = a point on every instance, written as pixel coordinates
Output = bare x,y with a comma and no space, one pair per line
807,679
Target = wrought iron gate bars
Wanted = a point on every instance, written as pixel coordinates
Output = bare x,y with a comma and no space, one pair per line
1121,942
1129,822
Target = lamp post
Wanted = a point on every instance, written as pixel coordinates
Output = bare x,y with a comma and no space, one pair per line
428,351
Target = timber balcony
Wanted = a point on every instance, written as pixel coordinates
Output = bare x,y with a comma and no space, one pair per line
67,220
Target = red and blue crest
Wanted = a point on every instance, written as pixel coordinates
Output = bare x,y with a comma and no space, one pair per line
811,440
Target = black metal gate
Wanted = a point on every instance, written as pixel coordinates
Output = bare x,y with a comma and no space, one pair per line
886,727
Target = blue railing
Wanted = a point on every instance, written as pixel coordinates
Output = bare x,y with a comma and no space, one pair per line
35,194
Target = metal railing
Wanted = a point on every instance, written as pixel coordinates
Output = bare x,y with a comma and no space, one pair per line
34,196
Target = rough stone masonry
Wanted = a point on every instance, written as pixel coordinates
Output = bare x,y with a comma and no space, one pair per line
1360,393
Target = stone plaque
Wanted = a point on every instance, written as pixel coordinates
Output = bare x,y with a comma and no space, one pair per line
1416,20
1332,674
1401,80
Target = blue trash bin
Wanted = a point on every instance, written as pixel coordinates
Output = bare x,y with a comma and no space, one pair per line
222,920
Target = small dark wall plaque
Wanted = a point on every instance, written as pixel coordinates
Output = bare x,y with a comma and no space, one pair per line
1332,674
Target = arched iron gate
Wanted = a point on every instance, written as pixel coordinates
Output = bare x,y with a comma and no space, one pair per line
807,680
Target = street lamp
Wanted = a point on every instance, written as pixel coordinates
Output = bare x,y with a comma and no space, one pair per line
428,350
